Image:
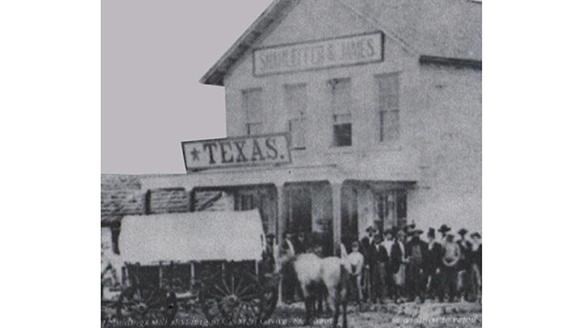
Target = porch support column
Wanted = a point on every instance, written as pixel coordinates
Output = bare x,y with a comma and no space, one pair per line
336,198
281,210
280,226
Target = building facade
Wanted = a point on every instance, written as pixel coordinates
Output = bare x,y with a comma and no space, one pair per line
381,103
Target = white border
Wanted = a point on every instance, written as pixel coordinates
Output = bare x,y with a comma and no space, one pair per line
50,167
533,156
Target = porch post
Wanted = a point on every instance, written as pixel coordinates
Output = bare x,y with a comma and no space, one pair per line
281,210
336,198
280,226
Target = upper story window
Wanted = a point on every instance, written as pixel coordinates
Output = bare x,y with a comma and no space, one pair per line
296,105
253,108
340,90
389,107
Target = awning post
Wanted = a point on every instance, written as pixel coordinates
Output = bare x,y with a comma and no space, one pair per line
336,208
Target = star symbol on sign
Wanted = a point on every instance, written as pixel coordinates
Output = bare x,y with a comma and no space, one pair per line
195,154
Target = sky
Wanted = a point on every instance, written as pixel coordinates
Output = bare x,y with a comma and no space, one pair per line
153,54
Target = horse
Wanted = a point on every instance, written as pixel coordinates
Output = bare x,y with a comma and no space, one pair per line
315,274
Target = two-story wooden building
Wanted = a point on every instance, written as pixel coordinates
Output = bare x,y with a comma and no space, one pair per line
381,100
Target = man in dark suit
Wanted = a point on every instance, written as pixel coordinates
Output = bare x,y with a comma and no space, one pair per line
268,259
476,265
300,243
433,265
368,250
417,253
379,273
465,273
289,281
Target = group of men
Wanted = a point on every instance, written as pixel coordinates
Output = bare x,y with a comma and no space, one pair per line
400,265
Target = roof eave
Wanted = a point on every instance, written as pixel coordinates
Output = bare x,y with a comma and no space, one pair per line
451,61
215,75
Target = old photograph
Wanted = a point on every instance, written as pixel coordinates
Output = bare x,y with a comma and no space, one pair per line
345,189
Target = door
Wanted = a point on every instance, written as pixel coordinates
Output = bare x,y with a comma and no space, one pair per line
300,216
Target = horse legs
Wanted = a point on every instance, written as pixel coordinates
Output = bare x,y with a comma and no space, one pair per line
333,299
343,300
308,299
308,309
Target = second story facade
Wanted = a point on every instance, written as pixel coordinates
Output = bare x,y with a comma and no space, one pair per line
397,108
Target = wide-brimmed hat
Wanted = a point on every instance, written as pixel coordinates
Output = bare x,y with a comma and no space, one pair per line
444,228
371,228
417,232
462,231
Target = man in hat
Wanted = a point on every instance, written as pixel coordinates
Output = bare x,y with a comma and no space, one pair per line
476,249
450,261
369,252
388,243
356,262
416,252
289,281
476,264
268,260
398,263
433,264
379,272
444,229
408,230
464,274
301,243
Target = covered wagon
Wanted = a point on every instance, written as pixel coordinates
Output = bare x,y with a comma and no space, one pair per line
207,262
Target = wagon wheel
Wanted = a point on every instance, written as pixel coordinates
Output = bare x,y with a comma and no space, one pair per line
235,298
146,305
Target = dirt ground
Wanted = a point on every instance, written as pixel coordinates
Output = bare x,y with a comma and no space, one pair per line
432,315
408,315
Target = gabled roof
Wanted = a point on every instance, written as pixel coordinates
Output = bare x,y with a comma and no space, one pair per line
270,16
433,28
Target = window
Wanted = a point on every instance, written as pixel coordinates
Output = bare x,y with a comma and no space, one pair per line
296,104
389,107
401,208
252,105
391,208
341,106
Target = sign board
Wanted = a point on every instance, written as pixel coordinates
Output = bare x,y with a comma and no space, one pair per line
343,51
239,151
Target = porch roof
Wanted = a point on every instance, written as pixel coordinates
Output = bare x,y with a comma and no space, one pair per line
280,175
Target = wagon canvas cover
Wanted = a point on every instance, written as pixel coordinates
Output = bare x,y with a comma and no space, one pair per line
197,236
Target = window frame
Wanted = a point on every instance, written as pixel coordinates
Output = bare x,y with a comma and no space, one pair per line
341,118
383,132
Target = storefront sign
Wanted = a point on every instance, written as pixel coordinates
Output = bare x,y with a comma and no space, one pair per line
350,50
242,151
